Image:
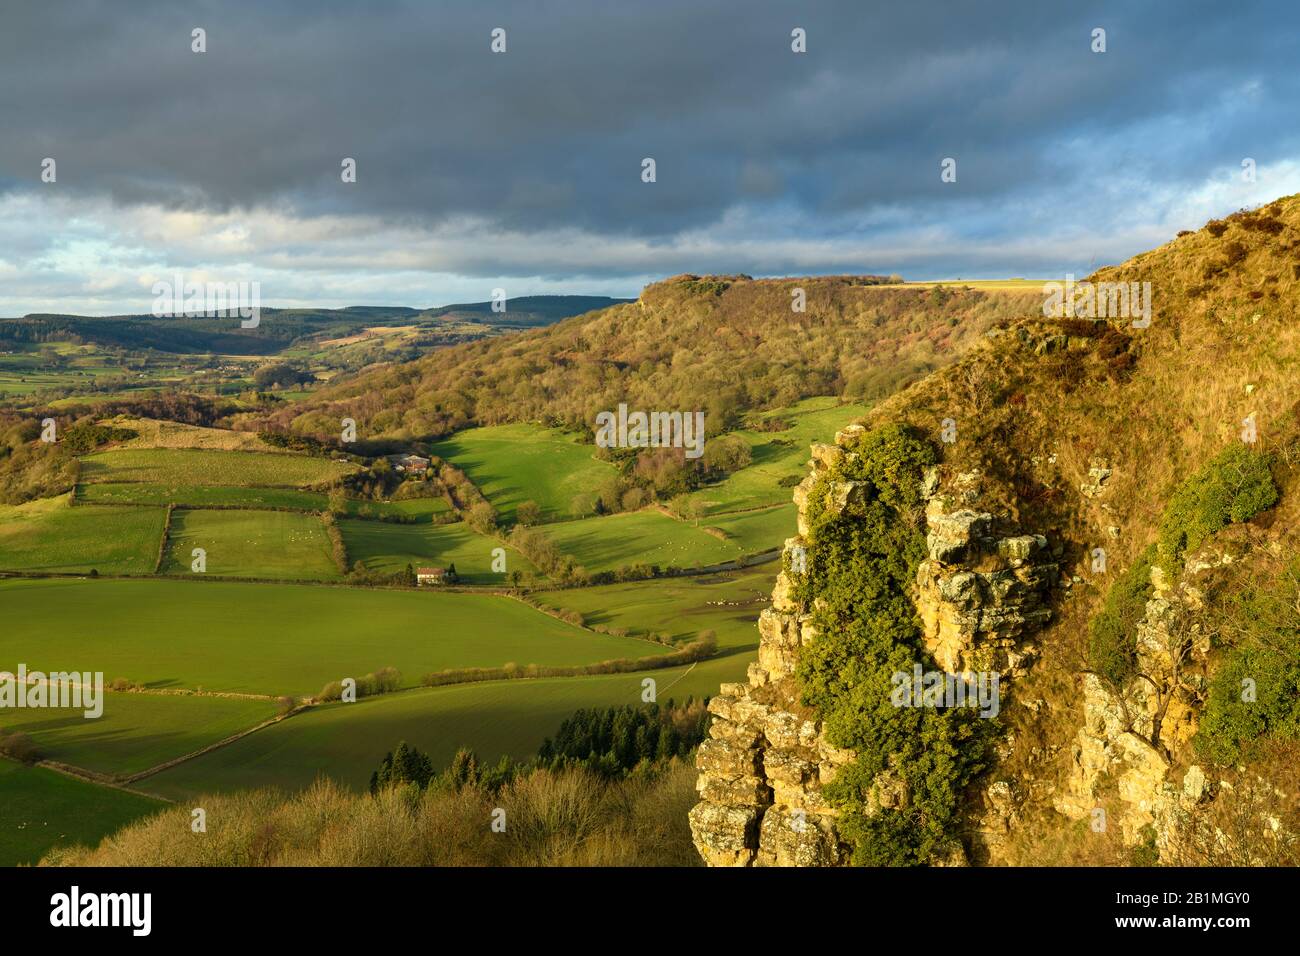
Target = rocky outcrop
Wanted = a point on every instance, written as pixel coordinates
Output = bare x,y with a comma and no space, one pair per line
1127,738
979,593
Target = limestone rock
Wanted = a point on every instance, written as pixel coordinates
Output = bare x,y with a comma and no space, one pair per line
949,536
1098,473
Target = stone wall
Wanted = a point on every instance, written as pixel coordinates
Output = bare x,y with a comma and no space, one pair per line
980,594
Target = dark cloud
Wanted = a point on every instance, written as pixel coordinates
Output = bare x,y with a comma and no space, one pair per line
846,139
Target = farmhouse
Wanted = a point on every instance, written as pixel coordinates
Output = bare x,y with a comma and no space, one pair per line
412,464
430,575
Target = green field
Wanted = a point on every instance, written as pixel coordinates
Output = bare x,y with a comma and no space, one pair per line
511,464
728,603
199,496
281,545
278,638
389,547
42,809
406,507
136,731
638,537
207,496
754,532
778,455
208,468
51,535
347,741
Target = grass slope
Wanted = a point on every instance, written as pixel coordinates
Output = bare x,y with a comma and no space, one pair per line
511,464
281,545
639,537
779,454
278,638
727,603
347,741
183,466
136,731
51,535
42,809
391,547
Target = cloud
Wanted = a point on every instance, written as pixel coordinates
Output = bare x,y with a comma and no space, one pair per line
525,166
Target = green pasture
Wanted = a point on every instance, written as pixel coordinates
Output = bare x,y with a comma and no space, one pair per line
512,464
756,531
638,537
281,545
43,809
727,603
278,638
347,741
779,454
390,547
135,731
52,535
210,468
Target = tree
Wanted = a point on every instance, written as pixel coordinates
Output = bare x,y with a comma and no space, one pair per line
481,518
403,765
338,501
528,513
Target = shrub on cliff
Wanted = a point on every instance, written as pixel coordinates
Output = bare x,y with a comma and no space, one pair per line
1234,486
1112,650
862,561
1255,693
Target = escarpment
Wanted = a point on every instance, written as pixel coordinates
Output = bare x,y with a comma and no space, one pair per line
1099,511
981,590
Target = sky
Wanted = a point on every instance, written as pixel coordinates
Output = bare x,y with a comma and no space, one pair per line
524,169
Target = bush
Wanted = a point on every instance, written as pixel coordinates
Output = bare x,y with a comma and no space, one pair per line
383,681
1112,651
862,564
1255,694
1233,487
18,746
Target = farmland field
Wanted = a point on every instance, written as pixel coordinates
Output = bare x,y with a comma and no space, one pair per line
42,809
756,531
391,547
726,603
347,741
638,537
779,454
198,496
278,638
183,466
511,464
136,731
281,545
406,507
51,535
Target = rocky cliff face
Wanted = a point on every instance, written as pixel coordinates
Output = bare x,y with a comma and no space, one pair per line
981,593
1124,769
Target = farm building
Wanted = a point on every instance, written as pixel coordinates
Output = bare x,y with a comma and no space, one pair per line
430,575
412,464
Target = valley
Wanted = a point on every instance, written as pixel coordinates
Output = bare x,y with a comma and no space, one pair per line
221,582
